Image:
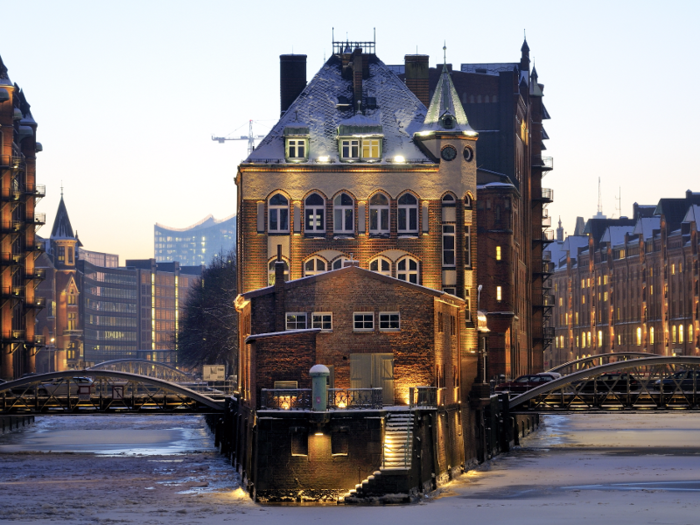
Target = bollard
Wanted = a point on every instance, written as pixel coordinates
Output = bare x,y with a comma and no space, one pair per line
319,387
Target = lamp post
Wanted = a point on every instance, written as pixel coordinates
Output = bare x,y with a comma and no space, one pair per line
52,355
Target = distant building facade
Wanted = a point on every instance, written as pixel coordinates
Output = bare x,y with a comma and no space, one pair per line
629,284
19,249
196,245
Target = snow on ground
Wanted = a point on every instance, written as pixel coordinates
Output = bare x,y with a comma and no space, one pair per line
607,468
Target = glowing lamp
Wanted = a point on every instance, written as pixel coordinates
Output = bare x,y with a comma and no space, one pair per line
399,159
324,159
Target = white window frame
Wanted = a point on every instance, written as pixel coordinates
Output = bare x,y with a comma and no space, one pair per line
341,212
318,319
271,271
350,149
293,319
277,211
293,149
386,319
315,270
372,147
407,212
407,273
448,235
381,260
380,213
365,318
317,213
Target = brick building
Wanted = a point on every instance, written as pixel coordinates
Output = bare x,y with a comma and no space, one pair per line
629,284
19,249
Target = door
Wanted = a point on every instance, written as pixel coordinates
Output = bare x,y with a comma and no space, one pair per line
373,371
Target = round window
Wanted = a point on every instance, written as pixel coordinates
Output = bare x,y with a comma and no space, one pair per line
449,153
468,154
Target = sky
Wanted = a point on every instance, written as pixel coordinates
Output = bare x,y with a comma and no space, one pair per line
128,94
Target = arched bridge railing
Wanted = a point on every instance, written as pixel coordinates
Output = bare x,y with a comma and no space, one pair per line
637,384
144,367
597,360
101,391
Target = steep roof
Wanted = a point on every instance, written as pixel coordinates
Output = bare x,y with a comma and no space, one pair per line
62,228
4,79
446,112
321,109
646,226
615,235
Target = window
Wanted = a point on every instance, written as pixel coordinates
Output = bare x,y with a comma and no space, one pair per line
467,306
673,331
453,326
407,270
499,293
314,266
639,337
379,214
600,338
498,253
72,298
589,339
322,320
680,333
363,322
467,202
61,253
448,245
271,272
651,335
408,214
70,255
350,149
72,321
300,442
381,265
314,214
370,149
344,214
440,323
296,149
339,263
296,321
467,247
278,214
389,321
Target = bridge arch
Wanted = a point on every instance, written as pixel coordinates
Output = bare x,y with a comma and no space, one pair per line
653,388
110,391
145,367
589,362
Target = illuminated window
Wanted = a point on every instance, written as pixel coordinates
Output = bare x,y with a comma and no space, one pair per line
448,245
370,149
314,266
314,214
589,339
499,293
379,214
72,321
605,279
350,149
278,214
680,333
407,269
381,265
600,338
639,337
343,214
408,214
296,149
61,253
651,335
498,253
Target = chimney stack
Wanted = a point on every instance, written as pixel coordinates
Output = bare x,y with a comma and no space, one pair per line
418,76
292,79
280,292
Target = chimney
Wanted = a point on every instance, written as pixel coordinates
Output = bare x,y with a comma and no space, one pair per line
292,79
417,77
280,293
357,79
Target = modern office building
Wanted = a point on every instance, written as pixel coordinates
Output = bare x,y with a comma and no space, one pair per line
196,245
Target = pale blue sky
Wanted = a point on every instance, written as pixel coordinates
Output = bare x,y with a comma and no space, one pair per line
127,94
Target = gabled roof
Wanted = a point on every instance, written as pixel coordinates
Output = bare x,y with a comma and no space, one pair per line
446,113
398,114
615,235
646,226
62,228
693,215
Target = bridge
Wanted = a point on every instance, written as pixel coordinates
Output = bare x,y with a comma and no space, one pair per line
144,367
103,391
597,360
642,383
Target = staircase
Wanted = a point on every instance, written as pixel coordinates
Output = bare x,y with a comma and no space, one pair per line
385,484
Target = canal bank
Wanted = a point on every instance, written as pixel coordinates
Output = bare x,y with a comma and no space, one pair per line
12,423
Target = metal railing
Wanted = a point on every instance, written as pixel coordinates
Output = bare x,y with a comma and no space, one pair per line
40,218
355,398
547,194
423,396
285,399
10,226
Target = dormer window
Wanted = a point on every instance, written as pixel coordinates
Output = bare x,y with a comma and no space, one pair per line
350,149
370,149
296,143
296,149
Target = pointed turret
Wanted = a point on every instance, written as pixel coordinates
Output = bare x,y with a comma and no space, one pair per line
62,228
63,242
446,113
525,56
535,88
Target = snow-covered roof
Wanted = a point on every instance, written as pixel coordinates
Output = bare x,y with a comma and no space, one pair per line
693,214
399,113
615,235
446,112
646,226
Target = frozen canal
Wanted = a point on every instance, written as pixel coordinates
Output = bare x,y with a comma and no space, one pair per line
607,468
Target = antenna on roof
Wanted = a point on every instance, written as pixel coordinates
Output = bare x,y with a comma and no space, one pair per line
375,36
444,54
600,199
61,188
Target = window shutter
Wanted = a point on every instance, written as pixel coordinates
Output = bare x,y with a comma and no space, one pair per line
297,218
361,218
261,217
425,217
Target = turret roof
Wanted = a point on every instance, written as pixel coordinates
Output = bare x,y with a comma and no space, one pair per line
62,228
446,112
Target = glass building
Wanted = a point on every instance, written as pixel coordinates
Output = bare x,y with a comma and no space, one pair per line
197,244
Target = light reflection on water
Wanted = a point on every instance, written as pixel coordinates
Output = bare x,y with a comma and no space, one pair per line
111,435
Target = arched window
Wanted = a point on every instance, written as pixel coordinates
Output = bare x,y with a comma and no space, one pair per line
314,266
468,202
680,333
690,333
339,263
271,272
314,214
379,214
381,265
449,208
407,269
673,331
278,214
408,214
343,214
449,200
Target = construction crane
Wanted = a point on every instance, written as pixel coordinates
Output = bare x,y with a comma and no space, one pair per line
250,137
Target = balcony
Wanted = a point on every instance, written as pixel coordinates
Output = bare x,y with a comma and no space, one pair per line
36,247
10,226
547,300
547,267
546,237
546,195
10,259
39,218
39,340
10,195
38,190
37,304
39,274
544,163
14,162
13,335
338,398
546,221
423,396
